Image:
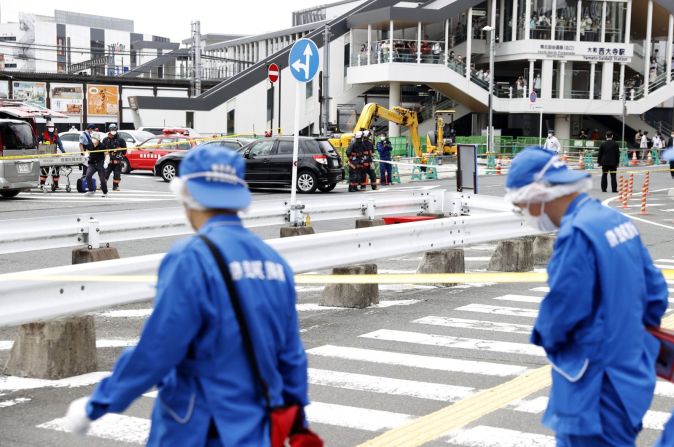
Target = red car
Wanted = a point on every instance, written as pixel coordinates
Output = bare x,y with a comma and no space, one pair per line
145,155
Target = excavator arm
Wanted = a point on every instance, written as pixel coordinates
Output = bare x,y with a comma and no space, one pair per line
397,115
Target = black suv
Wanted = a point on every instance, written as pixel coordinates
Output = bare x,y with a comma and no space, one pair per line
167,166
269,162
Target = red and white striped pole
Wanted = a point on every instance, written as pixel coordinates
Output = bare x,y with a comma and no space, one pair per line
630,187
644,195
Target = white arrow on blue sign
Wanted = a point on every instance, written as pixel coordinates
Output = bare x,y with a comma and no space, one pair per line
303,60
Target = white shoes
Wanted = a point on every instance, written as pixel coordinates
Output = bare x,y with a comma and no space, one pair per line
91,193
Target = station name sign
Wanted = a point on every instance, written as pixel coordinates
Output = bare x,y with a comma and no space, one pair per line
588,51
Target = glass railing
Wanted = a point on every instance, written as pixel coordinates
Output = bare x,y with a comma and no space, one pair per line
638,92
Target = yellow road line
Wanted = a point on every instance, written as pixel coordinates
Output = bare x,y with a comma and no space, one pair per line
430,427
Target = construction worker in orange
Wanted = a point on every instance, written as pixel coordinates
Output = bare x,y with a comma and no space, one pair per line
604,292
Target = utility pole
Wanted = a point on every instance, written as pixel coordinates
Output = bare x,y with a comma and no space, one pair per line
326,81
196,57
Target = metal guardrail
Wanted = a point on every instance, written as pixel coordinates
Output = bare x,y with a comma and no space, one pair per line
55,292
21,235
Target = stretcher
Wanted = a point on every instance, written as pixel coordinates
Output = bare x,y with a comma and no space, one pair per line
59,164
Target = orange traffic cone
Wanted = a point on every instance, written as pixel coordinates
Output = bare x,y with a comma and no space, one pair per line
649,160
564,157
498,166
581,162
634,161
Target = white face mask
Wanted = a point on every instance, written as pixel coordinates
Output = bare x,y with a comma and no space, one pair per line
541,222
50,129
113,132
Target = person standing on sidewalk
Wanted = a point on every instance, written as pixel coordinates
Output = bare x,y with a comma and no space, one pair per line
604,292
193,346
609,159
117,148
670,144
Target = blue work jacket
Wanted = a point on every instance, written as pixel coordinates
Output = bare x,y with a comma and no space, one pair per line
384,150
191,347
604,290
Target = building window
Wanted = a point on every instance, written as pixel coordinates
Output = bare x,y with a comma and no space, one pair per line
7,38
566,19
310,89
270,104
615,21
230,122
10,65
590,25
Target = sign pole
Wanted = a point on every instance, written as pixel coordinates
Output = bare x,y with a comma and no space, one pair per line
303,63
540,126
296,146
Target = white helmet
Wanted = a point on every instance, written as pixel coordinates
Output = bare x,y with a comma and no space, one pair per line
366,133
359,134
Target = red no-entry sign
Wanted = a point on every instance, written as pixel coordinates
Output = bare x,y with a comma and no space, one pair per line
273,73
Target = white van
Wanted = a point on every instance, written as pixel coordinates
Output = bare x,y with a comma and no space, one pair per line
17,174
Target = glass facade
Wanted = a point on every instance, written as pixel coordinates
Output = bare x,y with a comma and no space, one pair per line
616,14
590,25
567,12
540,25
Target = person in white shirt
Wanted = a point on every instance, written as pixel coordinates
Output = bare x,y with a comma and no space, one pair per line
552,143
657,142
643,145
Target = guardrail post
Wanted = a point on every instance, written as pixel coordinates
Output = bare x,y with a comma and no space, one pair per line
64,347
370,220
298,226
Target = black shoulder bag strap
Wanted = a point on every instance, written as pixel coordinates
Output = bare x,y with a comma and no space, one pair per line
240,318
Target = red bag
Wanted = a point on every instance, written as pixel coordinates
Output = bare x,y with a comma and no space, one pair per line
664,365
285,423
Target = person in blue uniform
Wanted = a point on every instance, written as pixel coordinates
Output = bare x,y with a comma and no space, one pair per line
385,149
191,346
604,291
667,439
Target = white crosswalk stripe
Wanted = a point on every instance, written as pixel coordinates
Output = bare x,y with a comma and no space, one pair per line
447,341
497,310
417,361
480,325
386,385
520,298
485,436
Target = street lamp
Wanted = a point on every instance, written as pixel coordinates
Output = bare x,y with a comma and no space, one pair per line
492,45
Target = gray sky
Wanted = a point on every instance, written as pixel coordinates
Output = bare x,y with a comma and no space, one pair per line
173,20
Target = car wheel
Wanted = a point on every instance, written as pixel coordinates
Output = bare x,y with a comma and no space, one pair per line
126,166
9,194
169,170
306,182
327,188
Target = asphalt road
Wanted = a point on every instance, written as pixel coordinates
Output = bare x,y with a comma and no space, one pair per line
372,370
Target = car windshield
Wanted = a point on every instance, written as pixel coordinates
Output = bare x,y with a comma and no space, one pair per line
17,136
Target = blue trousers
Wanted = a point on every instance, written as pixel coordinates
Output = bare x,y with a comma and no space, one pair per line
617,429
386,173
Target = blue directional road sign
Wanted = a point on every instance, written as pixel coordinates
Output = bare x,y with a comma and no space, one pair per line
303,60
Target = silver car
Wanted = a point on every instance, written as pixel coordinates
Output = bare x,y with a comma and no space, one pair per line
17,174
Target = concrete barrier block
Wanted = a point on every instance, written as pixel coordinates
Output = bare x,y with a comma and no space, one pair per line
368,223
60,348
515,255
543,246
443,261
296,231
351,295
54,349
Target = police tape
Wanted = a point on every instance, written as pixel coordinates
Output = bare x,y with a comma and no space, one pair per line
130,149
326,279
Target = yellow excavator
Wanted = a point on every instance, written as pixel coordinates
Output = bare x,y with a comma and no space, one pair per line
442,141
398,115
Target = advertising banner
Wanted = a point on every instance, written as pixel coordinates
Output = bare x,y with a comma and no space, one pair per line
102,100
30,92
66,98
